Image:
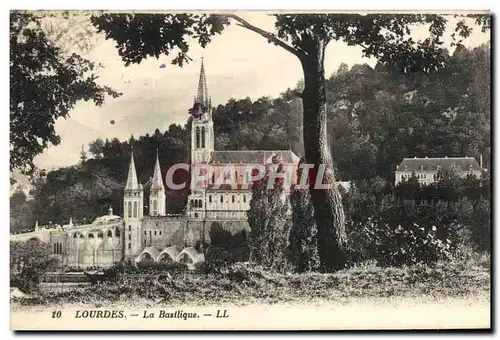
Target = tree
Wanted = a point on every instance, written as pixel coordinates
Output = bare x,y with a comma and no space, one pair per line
29,261
383,36
96,147
21,211
269,222
303,235
45,85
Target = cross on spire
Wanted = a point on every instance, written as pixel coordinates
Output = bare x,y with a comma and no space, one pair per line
202,93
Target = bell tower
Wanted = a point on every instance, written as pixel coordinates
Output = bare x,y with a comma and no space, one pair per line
133,208
202,131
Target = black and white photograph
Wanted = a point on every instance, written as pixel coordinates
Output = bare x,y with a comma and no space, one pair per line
250,170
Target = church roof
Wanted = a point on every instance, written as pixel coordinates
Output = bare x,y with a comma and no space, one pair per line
132,182
157,182
107,219
253,156
433,164
229,187
202,93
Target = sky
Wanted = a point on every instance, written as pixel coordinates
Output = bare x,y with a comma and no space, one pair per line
238,64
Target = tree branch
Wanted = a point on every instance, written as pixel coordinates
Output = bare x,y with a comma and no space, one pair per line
271,37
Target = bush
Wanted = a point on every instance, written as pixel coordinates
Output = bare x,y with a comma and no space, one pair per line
410,245
28,263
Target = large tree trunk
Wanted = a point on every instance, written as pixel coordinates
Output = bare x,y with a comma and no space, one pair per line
328,209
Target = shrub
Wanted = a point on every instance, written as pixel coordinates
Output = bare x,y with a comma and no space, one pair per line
303,249
411,244
28,262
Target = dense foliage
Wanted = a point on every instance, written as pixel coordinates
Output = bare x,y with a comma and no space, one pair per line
303,248
418,224
269,220
28,262
45,85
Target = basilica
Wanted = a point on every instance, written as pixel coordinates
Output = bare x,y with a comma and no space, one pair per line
162,237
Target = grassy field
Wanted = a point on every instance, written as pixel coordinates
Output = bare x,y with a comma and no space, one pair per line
248,285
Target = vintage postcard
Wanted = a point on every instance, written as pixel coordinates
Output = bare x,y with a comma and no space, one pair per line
250,170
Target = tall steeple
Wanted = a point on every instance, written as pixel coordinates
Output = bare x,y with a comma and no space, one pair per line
202,94
157,182
133,211
132,182
157,197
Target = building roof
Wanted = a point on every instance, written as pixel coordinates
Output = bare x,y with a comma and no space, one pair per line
152,251
229,187
107,219
434,164
253,156
132,182
156,181
193,254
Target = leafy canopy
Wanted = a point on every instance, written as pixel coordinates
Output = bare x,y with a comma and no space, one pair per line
45,84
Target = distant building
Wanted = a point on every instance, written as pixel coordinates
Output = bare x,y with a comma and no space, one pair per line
162,237
426,169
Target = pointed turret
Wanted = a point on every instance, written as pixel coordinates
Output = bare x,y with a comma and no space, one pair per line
157,197
132,182
202,94
156,182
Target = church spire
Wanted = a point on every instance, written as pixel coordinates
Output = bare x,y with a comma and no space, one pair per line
202,94
132,182
156,182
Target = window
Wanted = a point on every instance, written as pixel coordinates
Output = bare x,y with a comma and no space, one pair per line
155,208
145,232
135,209
201,204
110,233
232,198
221,199
129,228
159,232
155,232
210,198
129,209
129,237
129,245
197,137
203,137
244,198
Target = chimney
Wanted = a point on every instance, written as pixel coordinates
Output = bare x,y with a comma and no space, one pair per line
110,211
445,156
415,157
70,221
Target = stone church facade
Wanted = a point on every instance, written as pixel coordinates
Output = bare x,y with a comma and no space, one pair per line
159,236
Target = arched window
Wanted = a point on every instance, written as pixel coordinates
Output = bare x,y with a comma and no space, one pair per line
244,198
233,199
117,232
201,203
155,208
135,209
197,137
210,198
110,233
129,209
221,199
203,137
